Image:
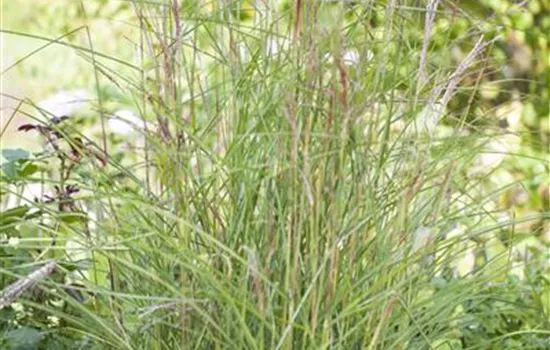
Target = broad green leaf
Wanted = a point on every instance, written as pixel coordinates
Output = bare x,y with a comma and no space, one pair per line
27,169
24,338
12,155
10,170
12,215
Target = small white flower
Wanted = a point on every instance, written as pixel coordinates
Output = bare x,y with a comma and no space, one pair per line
13,241
17,307
57,302
351,57
54,321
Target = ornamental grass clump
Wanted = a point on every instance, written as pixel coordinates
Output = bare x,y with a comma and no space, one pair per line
300,183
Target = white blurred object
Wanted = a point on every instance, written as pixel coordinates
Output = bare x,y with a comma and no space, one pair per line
456,231
369,56
500,146
466,260
64,103
463,251
494,153
351,57
511,112
428,118
77,249
125,122
276,46
16,198
422,238
132,130
14,241
54,321
243,52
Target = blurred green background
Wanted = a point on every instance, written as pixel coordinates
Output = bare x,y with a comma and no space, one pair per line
513,84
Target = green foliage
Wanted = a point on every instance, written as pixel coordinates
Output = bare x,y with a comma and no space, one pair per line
23,338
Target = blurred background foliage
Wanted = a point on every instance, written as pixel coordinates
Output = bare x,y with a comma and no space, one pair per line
512,83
